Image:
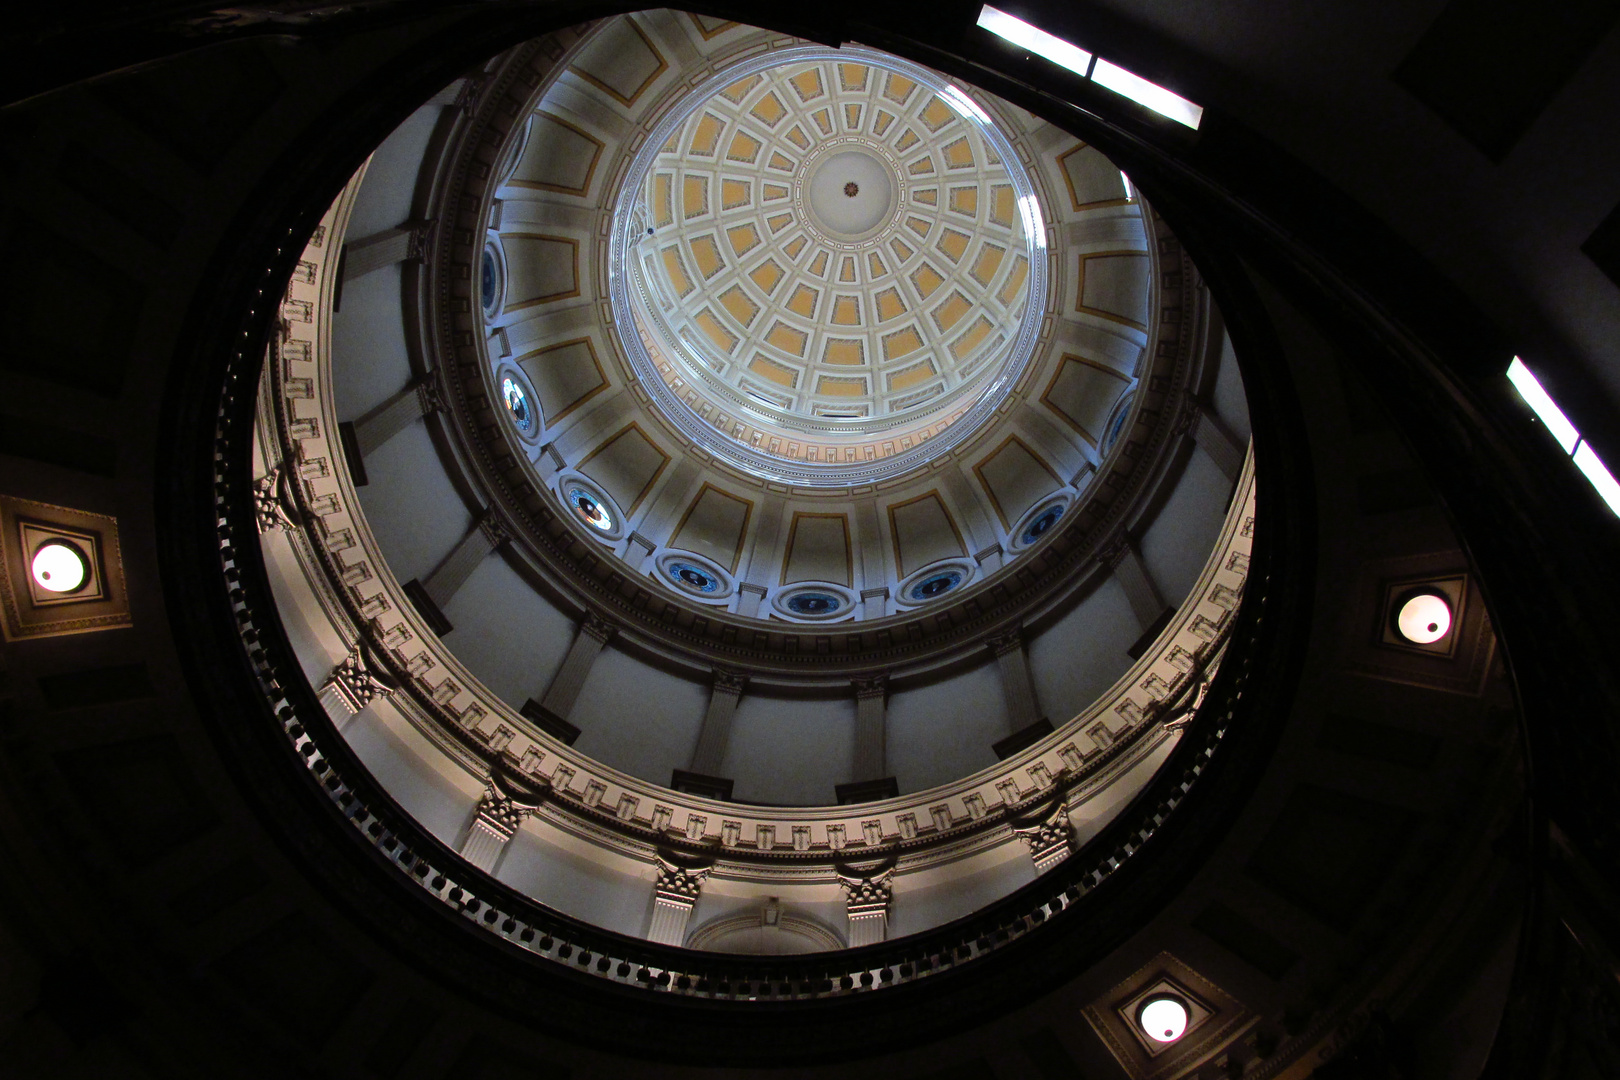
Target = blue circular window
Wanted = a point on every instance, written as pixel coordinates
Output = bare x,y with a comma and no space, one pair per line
590,509
935,585
813,603
486,280
517,403
692,577
1042,523
1114,429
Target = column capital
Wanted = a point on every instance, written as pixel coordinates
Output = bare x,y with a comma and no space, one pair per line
1006,641
598,628
867,686
502,812
427,394
494,529
355,681
272,506
1050,838
867,893
1113,548
729,682
680,883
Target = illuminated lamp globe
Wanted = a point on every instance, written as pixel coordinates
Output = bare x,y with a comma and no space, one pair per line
60,567
1163,1018
1424,619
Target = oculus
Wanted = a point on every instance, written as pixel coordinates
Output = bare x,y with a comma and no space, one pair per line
933,582
695,576
487,282
1040,520
814,602
517,402
590,510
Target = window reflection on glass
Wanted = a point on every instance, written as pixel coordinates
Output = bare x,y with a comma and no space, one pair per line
517,403
590,509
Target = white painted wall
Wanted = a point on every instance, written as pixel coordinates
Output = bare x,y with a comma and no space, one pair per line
593,886
1231,406
637,718
1077,658
791,752
928,900
415,513
508,635
942,732
369,363
1177,545
433,789
385,195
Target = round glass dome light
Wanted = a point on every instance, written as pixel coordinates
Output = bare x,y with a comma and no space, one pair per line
60,567
1163,1018
1424,618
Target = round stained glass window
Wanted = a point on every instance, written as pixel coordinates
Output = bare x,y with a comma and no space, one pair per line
935,585
1111,436
517,403
60,567
813,603
590,509
486,281
1041,525
1163,1018
692,577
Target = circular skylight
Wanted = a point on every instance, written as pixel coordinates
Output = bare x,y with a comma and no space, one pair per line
60,567
830,258
1163,1019
1424,619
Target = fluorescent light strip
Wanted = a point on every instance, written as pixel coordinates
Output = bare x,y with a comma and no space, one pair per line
1588,462
1541,403
1154,96
1035,39
1060,52
1569,439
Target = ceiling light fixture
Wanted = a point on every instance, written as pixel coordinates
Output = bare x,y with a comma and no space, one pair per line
60,567
1424,619
1569,438
1163,1018
1036,40
1165,102
1151,94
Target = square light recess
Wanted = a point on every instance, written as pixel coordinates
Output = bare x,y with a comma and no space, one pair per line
1214,1018
32,611
1453,587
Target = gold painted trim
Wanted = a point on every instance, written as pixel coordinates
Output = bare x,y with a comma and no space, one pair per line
629,511
710,35
663,66
552,298
978,470
590,171
1058,374
1080,287
601,375
742,533
793,534
1068,182
894,530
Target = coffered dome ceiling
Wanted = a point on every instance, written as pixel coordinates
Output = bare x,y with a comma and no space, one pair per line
829,256
734,427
